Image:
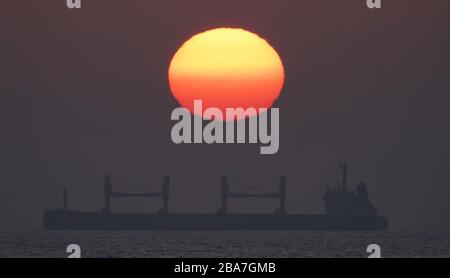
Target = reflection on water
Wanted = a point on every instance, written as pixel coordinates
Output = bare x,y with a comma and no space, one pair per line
225,244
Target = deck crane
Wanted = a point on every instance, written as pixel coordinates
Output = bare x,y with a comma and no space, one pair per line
253,191
110,192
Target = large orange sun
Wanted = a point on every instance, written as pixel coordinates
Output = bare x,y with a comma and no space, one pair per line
226,68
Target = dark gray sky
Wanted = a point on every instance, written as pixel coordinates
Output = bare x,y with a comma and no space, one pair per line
85,92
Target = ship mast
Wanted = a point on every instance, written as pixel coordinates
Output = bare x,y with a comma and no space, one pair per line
343,167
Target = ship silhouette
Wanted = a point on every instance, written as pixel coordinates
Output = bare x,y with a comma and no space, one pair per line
344,210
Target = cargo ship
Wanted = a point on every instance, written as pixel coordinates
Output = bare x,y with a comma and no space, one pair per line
345,210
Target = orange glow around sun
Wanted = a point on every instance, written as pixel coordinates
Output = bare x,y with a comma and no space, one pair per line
226,68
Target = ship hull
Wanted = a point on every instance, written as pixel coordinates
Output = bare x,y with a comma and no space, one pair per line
66,220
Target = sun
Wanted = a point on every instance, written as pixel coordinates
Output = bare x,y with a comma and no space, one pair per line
226,68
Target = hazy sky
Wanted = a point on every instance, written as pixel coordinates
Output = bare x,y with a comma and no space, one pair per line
85,92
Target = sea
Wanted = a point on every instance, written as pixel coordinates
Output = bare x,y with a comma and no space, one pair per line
225,244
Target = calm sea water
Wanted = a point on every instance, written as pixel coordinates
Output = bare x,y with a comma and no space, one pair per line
225,244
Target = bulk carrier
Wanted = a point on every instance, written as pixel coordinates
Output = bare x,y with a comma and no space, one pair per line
345,210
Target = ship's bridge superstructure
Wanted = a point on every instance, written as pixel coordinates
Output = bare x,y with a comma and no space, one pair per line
340,201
